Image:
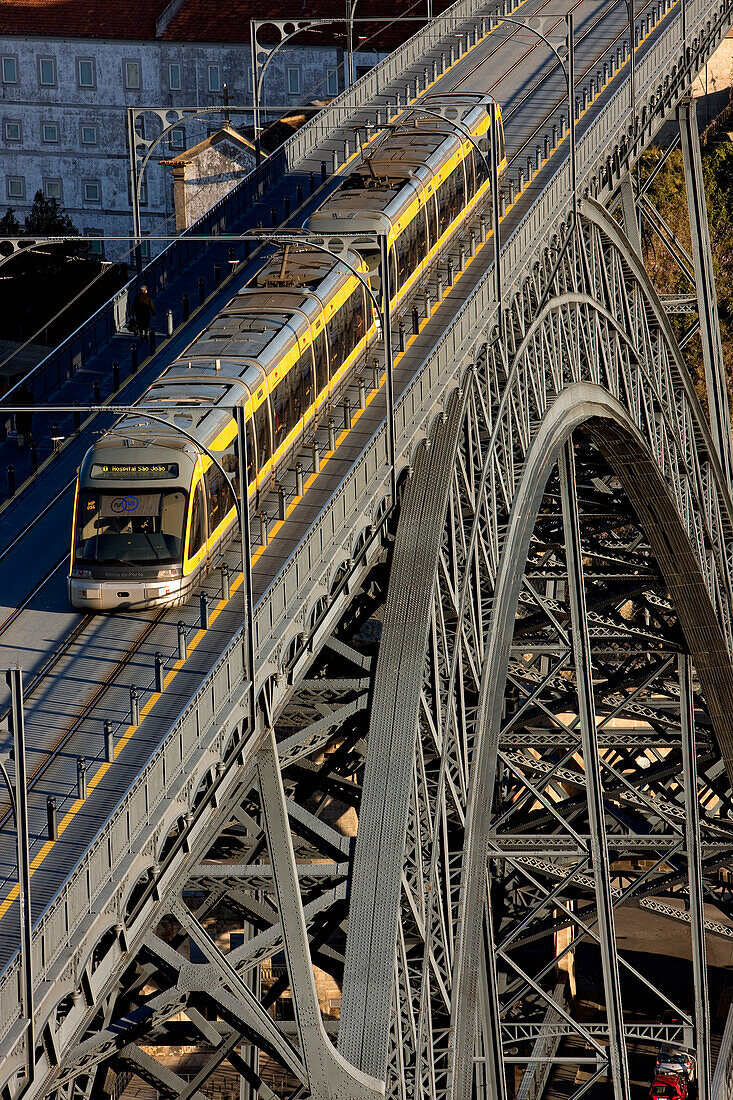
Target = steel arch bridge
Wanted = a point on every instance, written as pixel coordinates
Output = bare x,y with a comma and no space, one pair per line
519,683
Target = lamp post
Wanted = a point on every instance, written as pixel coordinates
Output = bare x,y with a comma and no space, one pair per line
18,794
569,74
263,53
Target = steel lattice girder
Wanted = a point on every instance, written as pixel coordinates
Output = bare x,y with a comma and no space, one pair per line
453,661
477,650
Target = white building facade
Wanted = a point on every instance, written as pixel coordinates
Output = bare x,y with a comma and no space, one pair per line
63,111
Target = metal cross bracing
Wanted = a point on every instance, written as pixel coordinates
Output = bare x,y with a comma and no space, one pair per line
520,825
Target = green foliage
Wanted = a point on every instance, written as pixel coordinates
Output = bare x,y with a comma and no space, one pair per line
47,216
667,194
9,224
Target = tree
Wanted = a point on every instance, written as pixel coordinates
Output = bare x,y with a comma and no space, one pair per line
9,224
48,217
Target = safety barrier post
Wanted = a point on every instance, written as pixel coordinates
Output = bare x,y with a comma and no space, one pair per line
159,685
109,741
81,777
134,707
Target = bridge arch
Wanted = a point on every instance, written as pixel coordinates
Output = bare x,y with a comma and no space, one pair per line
600,356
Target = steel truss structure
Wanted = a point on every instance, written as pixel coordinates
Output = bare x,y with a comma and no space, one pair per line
520,689
526,702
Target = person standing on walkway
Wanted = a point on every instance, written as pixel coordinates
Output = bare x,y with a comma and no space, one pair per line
143,309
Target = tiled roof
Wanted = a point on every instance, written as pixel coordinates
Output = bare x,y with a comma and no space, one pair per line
204,20
214,21
131,19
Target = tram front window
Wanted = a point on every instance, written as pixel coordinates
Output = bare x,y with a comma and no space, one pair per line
130,528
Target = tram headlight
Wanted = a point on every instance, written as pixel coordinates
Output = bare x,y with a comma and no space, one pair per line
167,574
82,574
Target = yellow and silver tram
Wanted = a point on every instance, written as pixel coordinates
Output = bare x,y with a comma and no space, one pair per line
151,507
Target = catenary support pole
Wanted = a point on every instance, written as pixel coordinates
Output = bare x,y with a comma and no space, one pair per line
388,358
628,205
707,301
14,679
694,878
495,217
134,193
592,767
245,538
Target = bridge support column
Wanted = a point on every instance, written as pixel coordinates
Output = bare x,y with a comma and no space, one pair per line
329,1074
694,878
592,767
705,285
631,222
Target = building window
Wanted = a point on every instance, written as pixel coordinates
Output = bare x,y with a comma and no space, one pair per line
178,138
214,78
13,131
15,187
10,70
92,191
85,72
293,81
332,76
50,133
96,248
88,134
47,72
52,189
250,81
143,192
140,126
131,71
145,247
174,77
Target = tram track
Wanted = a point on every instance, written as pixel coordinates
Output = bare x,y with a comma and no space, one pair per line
94,699
533,88
134,648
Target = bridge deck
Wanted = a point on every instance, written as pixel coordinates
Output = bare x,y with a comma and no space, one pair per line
92,663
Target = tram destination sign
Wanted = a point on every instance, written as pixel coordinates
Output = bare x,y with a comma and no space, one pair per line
134,471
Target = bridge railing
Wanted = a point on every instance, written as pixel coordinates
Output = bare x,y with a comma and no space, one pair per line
71,355
352,504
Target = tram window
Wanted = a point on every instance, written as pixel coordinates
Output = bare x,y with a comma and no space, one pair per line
337,341
321,358
281,411
346,329
468,162
220,497
262,431
459,185
445,205
479,164
431,213
130,528
421,231
301,385
197,533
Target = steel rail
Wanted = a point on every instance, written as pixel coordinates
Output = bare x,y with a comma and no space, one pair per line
29,527
84,712
538,83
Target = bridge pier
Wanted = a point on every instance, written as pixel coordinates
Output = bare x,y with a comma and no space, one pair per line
705,286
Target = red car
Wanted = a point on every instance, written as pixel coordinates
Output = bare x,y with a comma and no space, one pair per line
668,1086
